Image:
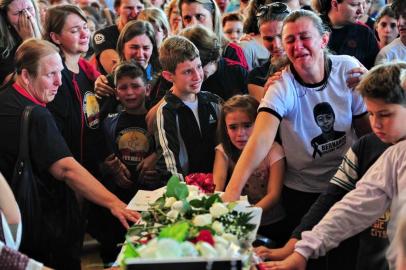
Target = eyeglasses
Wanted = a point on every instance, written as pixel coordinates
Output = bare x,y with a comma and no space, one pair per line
274,8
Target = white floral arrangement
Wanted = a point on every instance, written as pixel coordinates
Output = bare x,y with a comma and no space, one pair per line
187,223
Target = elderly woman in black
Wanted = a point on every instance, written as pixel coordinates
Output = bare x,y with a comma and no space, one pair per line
56,238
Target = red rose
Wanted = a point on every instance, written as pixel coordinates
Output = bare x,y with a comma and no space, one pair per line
202,180
204,236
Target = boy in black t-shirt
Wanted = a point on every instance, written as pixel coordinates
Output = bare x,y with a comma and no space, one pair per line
131,152
128,141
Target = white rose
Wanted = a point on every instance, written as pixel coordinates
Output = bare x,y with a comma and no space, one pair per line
188,249
149,250
178,205
193,196
206,250
168,248
218,209
202,220
172,215
221,250
169,201
193,189
231,237
218,227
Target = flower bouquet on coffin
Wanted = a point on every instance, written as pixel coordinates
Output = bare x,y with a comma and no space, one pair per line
187,223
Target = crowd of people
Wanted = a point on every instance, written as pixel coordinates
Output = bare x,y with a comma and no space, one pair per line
297,104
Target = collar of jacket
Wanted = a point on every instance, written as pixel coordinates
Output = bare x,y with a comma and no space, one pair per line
176,102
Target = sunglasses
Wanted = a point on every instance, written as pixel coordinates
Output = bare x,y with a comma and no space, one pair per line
275,8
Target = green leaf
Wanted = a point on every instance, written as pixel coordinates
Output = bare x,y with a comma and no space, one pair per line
176,189
129,252
181,191
196,203
212,199
231,205
177,231
170,187
186,206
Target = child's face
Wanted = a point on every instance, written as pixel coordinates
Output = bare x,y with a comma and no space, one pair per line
131,93
387,29
239,128
233,30
325,121
187,79
387,120
138,48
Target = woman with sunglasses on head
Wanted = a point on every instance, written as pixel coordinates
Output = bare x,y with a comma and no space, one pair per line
207,13
254,51
19,20
315,112
270,19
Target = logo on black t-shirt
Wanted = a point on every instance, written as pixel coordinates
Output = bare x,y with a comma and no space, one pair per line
91,110
99,38
329,140
133,145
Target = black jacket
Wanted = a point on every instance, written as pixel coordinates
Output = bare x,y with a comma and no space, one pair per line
182,146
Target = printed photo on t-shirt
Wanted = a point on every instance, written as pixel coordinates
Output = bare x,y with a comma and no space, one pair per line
329,140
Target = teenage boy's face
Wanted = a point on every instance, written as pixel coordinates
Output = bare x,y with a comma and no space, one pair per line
187,79
132,92
387,120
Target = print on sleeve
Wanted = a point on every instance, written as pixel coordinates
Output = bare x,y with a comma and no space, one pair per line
329,140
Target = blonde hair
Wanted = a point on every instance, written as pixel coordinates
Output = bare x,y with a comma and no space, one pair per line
7,41
156,17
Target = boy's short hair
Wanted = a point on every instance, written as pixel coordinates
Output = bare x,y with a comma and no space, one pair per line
175,50
129,69
232,17
322,108
386,82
